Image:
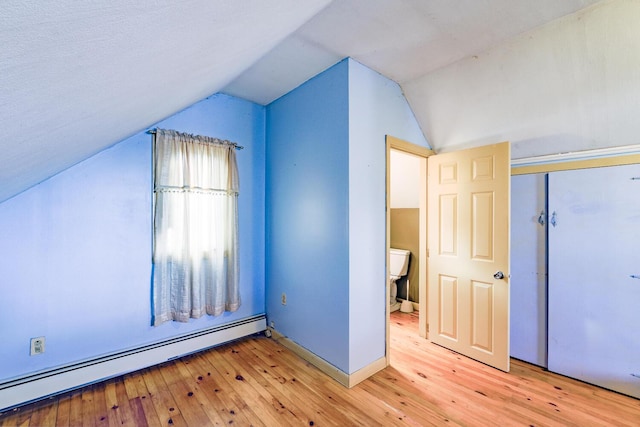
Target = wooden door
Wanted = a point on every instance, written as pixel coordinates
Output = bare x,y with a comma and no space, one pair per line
468,243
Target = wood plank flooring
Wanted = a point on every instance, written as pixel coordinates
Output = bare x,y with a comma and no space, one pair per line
255,381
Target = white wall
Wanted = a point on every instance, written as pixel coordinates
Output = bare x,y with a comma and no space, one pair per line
377,108
404,180
571,85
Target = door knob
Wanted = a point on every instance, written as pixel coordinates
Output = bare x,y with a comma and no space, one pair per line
499,275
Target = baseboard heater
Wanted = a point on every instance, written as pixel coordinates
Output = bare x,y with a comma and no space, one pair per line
33,387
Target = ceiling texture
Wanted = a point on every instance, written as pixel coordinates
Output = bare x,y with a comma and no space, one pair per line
78,77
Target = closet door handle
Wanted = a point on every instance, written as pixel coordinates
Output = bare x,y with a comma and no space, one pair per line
553,220
541,218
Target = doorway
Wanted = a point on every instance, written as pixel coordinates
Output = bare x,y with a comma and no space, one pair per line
468,225
419,153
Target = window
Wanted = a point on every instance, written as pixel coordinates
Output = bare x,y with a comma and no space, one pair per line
195,260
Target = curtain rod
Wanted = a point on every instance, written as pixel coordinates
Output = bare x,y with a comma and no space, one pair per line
236,146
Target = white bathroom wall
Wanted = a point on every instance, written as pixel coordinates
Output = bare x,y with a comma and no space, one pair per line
404,180
570,85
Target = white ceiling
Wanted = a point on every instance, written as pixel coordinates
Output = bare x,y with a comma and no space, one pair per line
77,77
401,39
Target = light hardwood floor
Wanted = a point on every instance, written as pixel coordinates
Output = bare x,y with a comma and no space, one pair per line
255,381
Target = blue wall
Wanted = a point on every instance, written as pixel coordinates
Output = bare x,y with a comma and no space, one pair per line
76,249
307,215
326,166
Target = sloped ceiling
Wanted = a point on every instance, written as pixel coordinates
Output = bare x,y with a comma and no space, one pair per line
77,77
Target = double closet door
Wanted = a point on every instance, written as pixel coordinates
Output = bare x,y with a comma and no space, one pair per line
592,226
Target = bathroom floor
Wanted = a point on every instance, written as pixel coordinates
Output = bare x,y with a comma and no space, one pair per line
408,321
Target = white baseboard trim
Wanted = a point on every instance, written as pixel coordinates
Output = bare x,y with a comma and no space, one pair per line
55,381
347,380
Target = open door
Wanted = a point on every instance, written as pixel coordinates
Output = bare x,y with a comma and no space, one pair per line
468,249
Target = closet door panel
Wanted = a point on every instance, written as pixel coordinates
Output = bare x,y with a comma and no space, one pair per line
528,268
594,257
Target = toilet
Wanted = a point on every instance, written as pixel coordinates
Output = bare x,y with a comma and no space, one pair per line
398,267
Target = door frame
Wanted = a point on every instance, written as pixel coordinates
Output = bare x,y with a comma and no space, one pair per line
423,153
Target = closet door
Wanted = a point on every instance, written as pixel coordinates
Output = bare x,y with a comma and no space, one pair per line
529,268
594,265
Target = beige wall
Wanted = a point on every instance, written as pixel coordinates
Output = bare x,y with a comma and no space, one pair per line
404,235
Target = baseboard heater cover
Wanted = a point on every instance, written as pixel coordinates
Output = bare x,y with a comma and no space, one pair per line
33,387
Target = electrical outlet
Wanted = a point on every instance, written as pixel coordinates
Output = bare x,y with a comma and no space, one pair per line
284,299
37,346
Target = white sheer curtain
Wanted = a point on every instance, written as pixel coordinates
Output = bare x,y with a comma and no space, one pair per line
195,260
